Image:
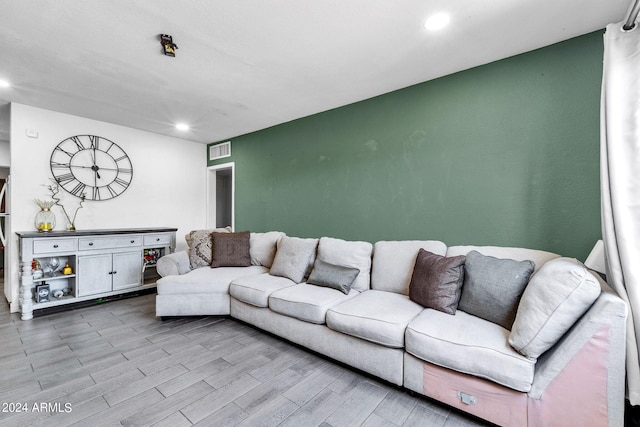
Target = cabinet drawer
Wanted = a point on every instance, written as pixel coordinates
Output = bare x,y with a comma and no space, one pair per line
157,239
111,242
45,246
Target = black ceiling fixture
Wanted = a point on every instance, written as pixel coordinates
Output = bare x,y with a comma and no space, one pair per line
168,46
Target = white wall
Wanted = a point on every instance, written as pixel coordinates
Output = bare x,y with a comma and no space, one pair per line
167,190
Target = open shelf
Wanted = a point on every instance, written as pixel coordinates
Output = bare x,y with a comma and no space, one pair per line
55,276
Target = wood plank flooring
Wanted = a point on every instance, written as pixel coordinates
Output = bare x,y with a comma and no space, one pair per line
117,364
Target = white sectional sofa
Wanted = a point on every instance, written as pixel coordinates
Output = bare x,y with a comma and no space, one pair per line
560,361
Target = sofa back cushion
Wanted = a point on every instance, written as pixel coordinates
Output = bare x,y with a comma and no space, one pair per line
262,247
555,298
348,254
518,254
393,263
294,258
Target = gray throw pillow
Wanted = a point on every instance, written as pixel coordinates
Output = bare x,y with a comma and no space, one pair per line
555,298
333,276
294,258
436,281
230,249
493,287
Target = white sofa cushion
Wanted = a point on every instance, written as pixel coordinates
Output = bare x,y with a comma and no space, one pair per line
393,263
294,258
307,302
348,254
255,290
555,298
262,247
471,345
518,254
205,280
377,316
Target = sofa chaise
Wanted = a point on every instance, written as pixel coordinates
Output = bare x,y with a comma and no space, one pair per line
511,335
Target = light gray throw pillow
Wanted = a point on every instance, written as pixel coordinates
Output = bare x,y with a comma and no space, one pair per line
555,298
333,276
493,287
294,258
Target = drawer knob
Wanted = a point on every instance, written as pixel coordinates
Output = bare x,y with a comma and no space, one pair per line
55,246
90,243
157,239
133,241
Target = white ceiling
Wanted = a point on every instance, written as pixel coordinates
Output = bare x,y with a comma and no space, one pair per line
250,64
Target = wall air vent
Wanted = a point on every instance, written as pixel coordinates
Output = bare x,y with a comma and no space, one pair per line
220,151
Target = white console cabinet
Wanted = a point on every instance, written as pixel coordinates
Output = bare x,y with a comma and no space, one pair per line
103,263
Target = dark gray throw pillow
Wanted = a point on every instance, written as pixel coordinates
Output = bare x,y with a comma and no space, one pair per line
230,249
436,281
333,276
493,287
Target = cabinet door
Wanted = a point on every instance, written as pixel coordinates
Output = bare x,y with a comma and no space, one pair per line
94,274
127,270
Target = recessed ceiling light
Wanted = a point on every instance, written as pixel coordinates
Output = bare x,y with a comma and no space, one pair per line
437,21
4,83
182,126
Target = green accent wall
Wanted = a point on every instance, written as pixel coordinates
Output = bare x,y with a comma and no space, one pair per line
503,154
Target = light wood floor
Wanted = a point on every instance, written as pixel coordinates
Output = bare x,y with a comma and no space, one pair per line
117,364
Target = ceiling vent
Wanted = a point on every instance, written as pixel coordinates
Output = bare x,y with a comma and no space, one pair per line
220,151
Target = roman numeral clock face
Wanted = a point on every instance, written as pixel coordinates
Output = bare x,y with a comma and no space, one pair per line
92,166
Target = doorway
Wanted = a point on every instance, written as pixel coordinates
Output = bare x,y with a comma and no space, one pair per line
221,196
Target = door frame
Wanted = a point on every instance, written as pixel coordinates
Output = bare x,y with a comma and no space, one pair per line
211,194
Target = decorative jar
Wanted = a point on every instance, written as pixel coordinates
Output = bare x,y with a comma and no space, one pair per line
45,220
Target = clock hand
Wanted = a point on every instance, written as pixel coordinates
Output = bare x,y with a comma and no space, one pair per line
92,168
96,169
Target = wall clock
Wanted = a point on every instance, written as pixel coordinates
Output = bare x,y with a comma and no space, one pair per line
91,166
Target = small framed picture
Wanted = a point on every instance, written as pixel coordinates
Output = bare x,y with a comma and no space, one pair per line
42,292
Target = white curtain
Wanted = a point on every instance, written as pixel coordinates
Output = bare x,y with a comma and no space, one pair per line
620,181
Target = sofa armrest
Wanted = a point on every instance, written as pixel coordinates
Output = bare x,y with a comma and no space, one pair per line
174,264
598,339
